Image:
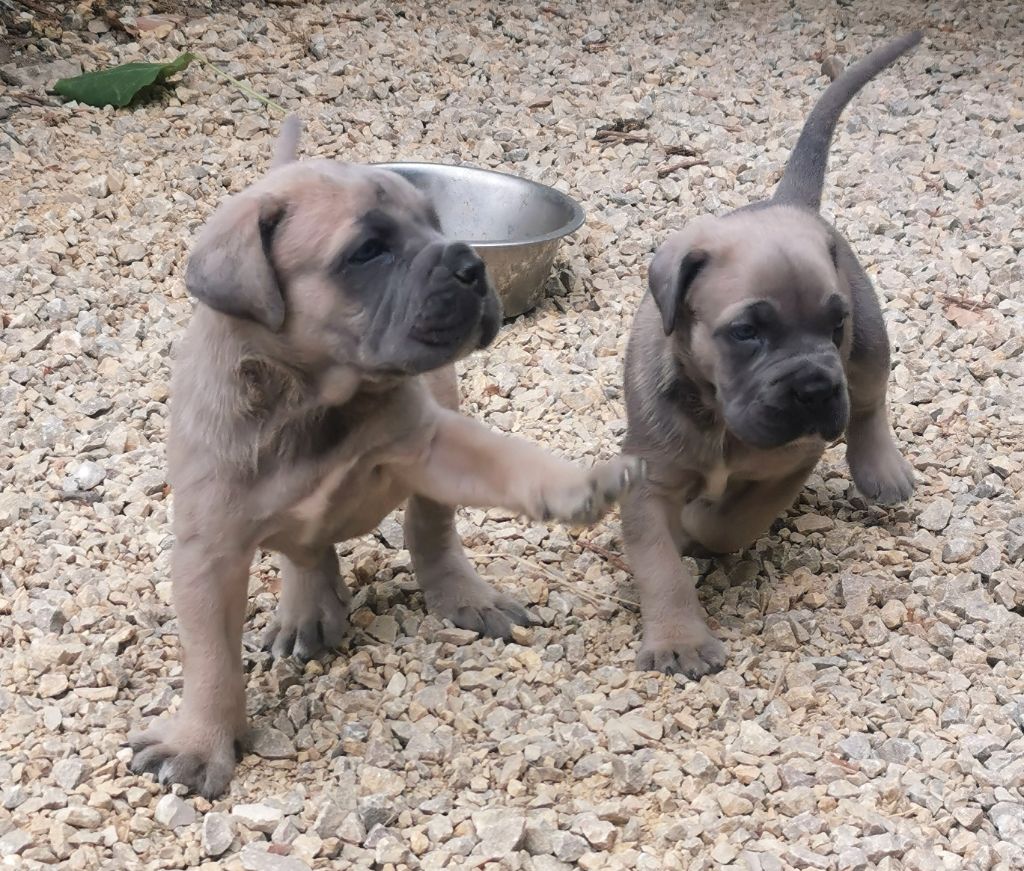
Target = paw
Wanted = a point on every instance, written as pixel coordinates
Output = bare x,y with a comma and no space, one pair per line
884,477
310,627
200,756
691,650
473,604
587,502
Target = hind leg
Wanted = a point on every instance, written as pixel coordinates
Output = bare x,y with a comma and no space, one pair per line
878,468
312,616
450,584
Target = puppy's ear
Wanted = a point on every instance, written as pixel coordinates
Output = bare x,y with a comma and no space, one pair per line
673,269
231,268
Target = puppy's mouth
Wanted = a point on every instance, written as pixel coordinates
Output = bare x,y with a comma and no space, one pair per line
768,438
767,427
455,320
786,399
490,321
444,309
448,319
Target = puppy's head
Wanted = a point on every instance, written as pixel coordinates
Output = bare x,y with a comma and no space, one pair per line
755,304
343,265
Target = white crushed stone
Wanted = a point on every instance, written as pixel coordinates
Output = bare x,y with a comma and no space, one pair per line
871,712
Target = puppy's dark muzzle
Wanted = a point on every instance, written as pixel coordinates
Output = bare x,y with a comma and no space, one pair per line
798,396
465,267
459,300
815,391
443,319
815,398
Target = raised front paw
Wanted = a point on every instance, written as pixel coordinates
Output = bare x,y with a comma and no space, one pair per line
688,648
198,755
587,501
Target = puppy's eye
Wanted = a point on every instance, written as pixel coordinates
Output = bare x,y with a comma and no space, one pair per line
839,331
371,249
743,333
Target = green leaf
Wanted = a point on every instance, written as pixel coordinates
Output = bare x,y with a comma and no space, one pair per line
118,86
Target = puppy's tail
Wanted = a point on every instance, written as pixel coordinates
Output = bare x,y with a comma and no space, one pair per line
287,142
805,172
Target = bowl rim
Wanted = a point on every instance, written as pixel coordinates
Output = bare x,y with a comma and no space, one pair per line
577,215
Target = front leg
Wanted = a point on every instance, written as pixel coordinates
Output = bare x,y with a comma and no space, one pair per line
199,745
676,637
468,464
879,470
450,584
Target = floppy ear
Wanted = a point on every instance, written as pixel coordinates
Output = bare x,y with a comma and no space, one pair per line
672,271
231,268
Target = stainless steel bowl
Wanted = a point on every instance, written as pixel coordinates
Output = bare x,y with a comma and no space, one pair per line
514,224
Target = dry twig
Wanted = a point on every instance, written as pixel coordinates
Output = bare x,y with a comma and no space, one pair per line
586,595
670,168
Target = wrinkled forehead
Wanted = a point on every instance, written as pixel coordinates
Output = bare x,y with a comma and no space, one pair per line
326,201
774,260
368,187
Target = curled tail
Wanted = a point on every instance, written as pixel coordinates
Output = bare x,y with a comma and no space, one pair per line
805,171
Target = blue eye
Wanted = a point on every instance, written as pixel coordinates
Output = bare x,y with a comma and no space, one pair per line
743,333
371,249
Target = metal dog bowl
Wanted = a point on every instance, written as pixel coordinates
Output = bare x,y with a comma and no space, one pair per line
514,224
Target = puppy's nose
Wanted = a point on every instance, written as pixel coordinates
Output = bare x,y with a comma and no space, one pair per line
466,267
815,391
470,272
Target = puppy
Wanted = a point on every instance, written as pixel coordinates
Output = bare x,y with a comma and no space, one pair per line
313,394
760,341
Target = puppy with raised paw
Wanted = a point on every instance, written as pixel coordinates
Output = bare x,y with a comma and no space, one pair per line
759,342
314,393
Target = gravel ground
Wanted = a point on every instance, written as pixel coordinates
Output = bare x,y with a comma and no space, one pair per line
871,713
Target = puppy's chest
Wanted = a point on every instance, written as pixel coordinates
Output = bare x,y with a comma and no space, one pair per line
713,482
327,475
340,500
738,468
344,492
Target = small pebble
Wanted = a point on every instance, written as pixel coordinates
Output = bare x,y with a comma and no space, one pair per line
172,812
217,834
